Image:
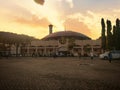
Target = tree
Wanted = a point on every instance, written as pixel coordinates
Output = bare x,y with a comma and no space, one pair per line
114,37
111,40
103,37
117,34
109,35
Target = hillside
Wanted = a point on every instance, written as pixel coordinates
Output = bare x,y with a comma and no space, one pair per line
11,38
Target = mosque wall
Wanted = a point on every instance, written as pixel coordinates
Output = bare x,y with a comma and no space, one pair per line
47,48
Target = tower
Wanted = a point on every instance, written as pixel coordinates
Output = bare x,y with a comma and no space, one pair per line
50,28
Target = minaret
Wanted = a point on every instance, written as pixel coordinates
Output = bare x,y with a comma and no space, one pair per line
50,28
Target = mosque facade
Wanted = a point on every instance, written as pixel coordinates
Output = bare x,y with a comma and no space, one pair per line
63,43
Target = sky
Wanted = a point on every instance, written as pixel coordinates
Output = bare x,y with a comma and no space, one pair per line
32,17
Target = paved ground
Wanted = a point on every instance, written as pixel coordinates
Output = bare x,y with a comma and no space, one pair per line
67,73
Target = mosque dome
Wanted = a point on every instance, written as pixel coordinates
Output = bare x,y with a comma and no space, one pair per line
66,34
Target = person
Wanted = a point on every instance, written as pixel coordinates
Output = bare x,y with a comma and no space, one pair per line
91,55
110,56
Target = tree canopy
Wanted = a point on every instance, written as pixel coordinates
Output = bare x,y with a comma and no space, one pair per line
111,36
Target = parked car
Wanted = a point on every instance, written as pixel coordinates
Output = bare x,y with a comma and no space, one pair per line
115,55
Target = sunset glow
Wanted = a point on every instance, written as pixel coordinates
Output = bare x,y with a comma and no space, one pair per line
31,18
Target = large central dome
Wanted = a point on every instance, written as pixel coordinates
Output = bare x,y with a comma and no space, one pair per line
66,34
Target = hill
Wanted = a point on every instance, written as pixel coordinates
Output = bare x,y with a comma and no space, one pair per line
12,38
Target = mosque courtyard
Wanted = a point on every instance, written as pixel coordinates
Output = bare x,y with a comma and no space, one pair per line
61,73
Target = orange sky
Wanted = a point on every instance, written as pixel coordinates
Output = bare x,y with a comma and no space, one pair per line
84,16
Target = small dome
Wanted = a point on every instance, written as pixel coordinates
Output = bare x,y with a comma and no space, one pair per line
66,34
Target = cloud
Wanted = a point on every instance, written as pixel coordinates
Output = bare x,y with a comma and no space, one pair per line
39,1
34,21
76,25
91,20
79,15
70,2
116,10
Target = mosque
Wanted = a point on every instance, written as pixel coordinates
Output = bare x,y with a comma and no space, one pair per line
62,43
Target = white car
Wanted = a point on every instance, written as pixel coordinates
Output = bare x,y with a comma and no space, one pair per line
115,55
